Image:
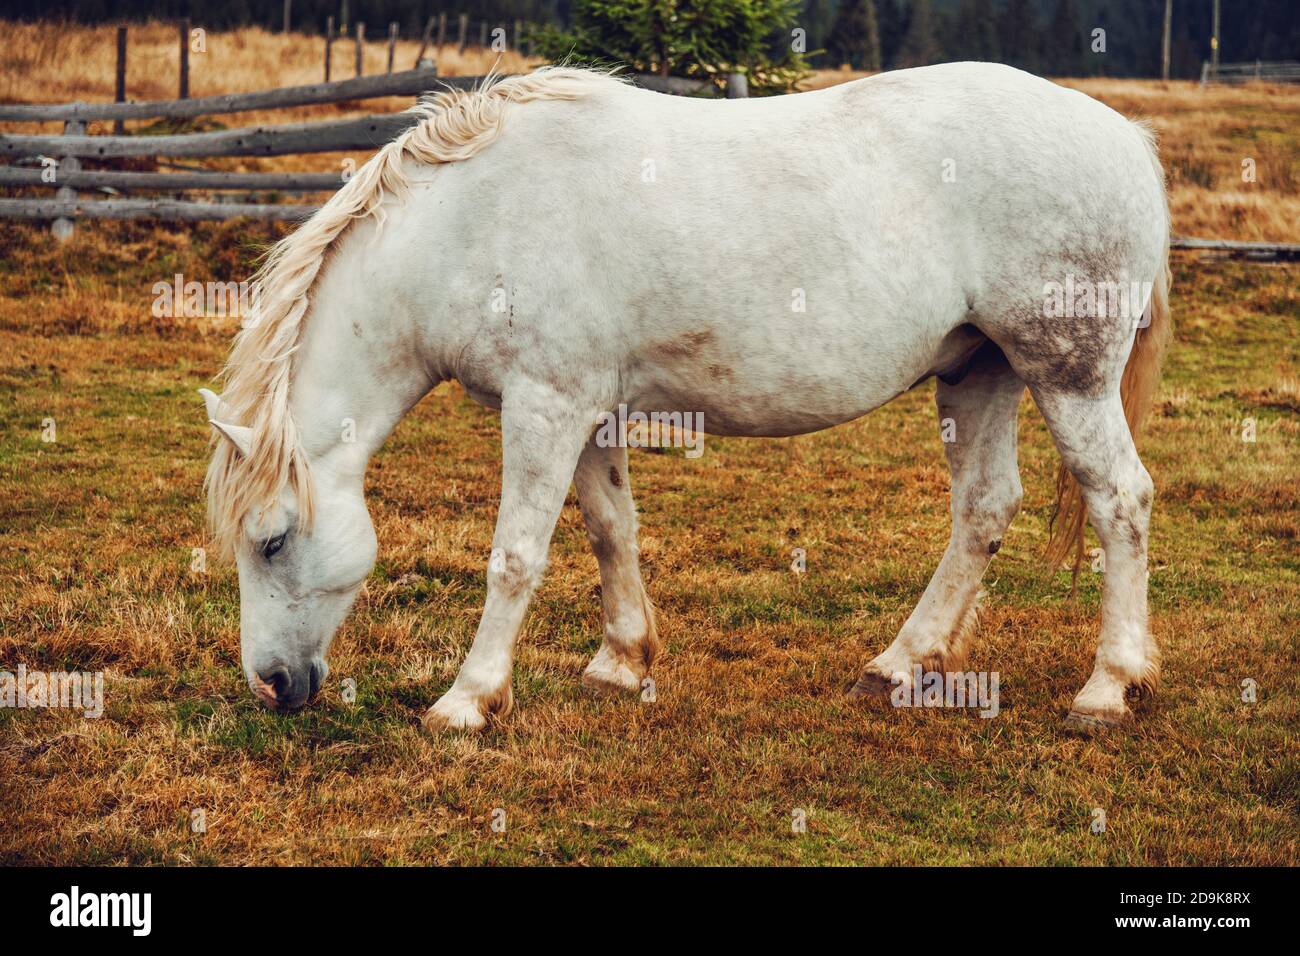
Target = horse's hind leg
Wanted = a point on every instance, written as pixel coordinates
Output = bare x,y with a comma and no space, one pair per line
630,643
978,421
1097,447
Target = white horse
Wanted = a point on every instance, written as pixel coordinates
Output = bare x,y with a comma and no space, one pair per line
563,243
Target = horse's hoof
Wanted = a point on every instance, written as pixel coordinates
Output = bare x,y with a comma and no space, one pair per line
607,675
1090,725
453,714
871,684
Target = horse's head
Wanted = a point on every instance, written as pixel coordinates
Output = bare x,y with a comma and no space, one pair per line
297,579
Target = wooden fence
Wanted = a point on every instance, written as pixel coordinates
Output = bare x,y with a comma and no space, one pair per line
1260,71
56,158
54,161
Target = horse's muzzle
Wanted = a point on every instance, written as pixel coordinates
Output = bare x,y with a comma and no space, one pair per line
284,689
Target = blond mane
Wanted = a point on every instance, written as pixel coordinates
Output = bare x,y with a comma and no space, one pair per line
453,126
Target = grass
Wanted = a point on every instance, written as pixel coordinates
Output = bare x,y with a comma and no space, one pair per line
750,725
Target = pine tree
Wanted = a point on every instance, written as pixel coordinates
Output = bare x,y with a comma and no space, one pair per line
1020,35
1064,42
920,44
855,37
890,20
977,31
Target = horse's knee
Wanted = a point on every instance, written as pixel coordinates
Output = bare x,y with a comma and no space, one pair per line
515,571
984,513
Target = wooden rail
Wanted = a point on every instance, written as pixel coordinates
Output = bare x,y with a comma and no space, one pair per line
148,209
368,132
407,83
1231,248
283,182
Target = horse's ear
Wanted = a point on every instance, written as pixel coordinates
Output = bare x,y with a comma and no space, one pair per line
213,401
238,435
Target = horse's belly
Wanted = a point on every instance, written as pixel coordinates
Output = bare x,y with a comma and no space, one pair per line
788,387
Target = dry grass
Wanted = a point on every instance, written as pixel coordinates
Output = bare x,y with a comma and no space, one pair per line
96,532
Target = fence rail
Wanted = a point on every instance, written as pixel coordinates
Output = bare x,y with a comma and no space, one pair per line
368,132
167,209
106,179
1230,248
406,83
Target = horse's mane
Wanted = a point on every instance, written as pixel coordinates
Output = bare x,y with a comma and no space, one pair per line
453,125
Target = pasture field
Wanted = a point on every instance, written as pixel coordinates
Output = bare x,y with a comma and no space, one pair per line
750,726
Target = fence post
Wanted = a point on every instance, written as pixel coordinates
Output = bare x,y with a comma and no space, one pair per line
185,60
737,86
442,32
1164,43
360,40
119,86
286,15
424,42
1205,72
462,24
519,29
482,34
329,42
392,43
63,228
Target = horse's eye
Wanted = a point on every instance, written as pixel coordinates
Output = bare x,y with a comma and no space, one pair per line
272,546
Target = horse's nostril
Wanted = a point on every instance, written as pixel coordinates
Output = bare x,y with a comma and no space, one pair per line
278,681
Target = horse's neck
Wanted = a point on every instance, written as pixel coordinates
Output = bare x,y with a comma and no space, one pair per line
355,376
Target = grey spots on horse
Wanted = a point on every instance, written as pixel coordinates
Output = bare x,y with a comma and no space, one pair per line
356,328
1072,353
615,478
1127,523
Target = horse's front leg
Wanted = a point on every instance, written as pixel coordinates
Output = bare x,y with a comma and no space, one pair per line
631,643
542,434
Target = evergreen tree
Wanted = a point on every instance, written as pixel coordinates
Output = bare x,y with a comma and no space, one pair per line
920,44
817,18
977,32
855,37
1063,46
700,39
889,19
1020,35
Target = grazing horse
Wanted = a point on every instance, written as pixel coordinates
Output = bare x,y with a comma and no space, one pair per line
564,244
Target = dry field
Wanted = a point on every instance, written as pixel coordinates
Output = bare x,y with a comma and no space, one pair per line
97,530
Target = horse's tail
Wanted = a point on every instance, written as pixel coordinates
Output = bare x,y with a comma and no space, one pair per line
1137,389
